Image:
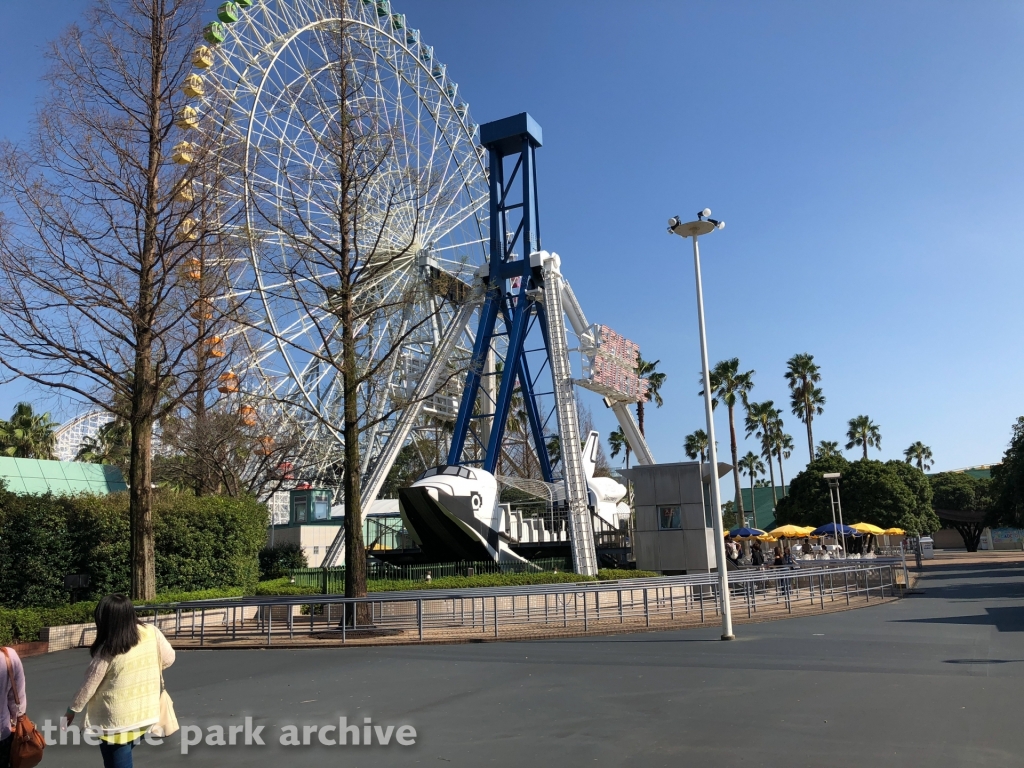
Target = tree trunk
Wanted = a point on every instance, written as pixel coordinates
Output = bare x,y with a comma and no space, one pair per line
753,504
735,464
782,477
971,534
640,416
771,474
865,449
810,432
355,551
144,394
140,506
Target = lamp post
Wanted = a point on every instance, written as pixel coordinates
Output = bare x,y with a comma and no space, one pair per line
833,494
694,229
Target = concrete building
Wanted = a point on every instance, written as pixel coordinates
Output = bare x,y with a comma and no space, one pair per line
673,531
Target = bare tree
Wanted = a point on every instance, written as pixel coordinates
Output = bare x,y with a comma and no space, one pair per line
107,231
334,250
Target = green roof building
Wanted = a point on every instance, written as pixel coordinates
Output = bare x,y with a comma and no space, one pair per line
764,505
61,478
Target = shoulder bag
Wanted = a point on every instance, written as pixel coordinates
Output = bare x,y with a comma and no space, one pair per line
168,722
27,747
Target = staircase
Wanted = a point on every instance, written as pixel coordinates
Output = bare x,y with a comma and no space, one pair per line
581,533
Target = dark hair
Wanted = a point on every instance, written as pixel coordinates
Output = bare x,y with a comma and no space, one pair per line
117,626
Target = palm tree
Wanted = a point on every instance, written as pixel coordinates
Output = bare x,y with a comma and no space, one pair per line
28,435
647,372
696,445
760,423
729,385
865,433
807,400
753,466
617,443
783,446
920,454
827,449
554,448
111,445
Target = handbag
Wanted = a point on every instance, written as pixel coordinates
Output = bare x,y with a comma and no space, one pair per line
168,721
28,743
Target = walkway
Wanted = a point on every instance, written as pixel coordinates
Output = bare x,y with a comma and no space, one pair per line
932,680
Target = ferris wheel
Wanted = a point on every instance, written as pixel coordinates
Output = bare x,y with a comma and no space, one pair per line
269,75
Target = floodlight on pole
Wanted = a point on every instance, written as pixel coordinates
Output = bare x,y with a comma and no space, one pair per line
833,494
694,229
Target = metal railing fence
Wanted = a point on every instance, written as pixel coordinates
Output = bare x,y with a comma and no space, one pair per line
439,615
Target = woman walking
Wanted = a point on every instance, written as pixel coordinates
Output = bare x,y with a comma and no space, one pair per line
12,683
121,692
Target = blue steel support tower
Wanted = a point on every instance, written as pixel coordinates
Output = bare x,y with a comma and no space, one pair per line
513,288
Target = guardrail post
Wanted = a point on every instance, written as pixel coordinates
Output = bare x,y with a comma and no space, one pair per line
202,629
419,616
585,624
701,603
270,621
619,593
565,610
496,615
647,612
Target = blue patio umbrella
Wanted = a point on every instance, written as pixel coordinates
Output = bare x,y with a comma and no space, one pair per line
831,529
745,533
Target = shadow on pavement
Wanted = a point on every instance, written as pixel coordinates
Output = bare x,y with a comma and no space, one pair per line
1003,619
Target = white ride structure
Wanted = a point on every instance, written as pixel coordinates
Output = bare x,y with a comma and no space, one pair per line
73,434
269,78
271,81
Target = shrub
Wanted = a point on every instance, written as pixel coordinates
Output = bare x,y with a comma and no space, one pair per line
276,561
612,574
209,542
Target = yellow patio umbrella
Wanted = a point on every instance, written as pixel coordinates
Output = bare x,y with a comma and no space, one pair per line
895,532
807,529
868,528
789,532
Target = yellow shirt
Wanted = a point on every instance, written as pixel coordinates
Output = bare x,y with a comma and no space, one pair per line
121,695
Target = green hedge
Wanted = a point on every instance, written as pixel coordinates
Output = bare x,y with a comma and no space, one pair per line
276,561
209,542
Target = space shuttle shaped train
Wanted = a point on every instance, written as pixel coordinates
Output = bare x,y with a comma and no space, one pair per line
453,512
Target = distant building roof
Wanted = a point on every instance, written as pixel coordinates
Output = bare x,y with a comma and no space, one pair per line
980,471
62,478
764,504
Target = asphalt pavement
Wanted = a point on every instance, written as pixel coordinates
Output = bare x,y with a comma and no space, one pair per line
934,679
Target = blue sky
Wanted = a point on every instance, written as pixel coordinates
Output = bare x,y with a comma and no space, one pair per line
866,156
